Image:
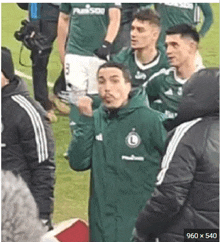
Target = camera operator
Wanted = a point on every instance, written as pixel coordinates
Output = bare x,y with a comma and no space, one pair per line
43,18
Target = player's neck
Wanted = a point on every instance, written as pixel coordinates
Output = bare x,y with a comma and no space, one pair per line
186,70
146,55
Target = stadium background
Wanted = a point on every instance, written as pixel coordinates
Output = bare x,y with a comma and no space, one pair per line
72,188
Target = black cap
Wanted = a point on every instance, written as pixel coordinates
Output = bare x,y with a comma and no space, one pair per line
7,63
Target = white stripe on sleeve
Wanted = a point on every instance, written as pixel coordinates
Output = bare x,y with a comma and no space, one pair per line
179,133
40,135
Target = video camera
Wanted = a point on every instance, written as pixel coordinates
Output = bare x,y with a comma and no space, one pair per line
31,37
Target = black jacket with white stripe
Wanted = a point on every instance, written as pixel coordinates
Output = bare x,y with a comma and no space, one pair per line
187,191
28,144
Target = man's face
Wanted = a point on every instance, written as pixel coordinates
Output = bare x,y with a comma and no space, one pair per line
179,49
143,34
113,88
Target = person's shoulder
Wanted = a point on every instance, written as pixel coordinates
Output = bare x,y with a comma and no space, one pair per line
153,114
31,107
162,73
123,55
145,112
160,77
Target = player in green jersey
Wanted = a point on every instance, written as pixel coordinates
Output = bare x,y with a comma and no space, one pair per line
183,13
143,58
91,29
164,88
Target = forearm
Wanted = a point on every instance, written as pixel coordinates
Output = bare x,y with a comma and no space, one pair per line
42,187
208,18
114,25
62,33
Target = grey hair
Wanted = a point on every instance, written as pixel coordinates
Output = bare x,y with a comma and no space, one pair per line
20,216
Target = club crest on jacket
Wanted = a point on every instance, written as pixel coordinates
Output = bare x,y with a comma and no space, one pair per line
133,139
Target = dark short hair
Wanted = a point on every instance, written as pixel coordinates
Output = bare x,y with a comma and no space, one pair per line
148,15
184,30
123,68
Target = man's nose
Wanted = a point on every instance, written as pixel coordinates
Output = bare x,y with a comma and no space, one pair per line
168,49
107,86
133,32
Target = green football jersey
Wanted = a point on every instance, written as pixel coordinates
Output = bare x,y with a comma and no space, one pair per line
140,73
88,26
174,13
164,90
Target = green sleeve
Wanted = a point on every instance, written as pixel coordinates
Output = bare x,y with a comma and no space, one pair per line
159,133
119,57
208,18
153,87
65,7
80,148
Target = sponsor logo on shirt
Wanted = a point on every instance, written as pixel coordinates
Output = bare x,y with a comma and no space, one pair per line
180,5
89,10
99,137
140,75
133,140
132,157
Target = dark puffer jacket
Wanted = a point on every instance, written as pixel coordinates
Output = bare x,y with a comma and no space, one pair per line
28,144
187,192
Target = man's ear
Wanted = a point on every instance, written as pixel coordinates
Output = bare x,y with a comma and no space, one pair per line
193,46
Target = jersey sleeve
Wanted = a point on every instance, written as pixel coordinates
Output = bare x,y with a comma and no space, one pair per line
208,18
153,86
119,57
159,133
65,8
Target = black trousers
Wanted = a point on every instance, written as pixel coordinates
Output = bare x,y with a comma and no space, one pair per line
39,66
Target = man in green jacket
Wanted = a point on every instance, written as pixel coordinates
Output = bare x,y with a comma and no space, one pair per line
121,142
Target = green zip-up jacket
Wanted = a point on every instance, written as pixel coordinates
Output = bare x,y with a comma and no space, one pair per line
123,151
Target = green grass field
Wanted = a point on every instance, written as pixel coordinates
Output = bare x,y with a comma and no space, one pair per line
72,188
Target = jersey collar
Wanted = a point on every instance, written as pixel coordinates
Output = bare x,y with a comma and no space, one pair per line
154,62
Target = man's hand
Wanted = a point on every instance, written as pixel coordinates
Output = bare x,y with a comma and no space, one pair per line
85,106
104,51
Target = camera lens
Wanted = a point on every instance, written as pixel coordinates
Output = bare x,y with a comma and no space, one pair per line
18,35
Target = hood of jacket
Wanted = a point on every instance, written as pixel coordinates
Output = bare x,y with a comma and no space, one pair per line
16,86
135,101
200,97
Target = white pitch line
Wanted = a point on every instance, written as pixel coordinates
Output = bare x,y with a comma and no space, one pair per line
21,74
